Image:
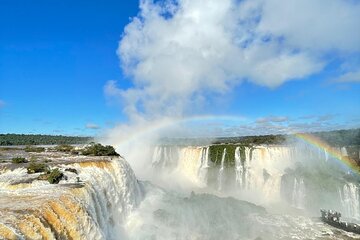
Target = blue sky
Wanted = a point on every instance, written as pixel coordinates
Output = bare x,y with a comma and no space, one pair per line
56,57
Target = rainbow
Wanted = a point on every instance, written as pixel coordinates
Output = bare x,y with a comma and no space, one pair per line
335,153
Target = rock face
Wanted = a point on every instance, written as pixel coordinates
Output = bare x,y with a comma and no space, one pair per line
69,210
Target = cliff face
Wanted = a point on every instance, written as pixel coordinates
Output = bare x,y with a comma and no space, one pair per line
108,191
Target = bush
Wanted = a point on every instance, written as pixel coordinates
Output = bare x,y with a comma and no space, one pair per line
75,152
96,149
18,160
37,167
73,170
55,176
64,148
34,149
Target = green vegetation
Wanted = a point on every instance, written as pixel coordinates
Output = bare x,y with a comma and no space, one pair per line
216,152
55,176
34,149
37,139
18,160
64,148
96,149
254,140
37,167
10,148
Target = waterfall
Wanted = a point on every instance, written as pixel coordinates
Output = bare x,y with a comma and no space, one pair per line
349,196
221,171
95,210
156,156
298,194
271,187
257,171
344,151
191,165
239,169
247,169
326,155
165,156
204,165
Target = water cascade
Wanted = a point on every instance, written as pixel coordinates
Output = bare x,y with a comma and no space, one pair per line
349,196
221,171
298,194
239,169
68,211
204,165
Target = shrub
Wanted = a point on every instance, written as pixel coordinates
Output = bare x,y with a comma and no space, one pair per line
64,148
37,167
34,149
73,170
75,152
96,149
18,160
55,176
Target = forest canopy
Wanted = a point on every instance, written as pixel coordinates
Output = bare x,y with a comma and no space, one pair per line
38,139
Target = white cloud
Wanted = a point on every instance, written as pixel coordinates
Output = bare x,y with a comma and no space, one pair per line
180,53
277,119
316,25
326,117
92,126
349,77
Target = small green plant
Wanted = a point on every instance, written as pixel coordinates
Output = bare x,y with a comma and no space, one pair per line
55,176
37,167
34,149
19,160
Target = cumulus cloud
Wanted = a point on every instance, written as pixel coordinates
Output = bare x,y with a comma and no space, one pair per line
92,126
178,53
314,25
